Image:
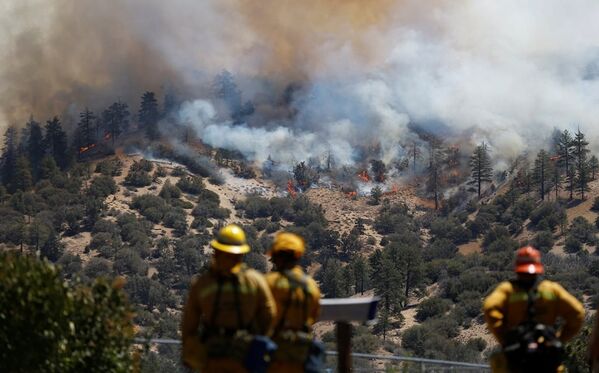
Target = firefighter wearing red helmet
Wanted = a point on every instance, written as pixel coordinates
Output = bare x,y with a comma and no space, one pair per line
522,314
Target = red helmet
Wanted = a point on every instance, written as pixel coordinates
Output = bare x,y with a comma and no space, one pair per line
528,261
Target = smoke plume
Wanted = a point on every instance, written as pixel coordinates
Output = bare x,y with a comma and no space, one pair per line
367,72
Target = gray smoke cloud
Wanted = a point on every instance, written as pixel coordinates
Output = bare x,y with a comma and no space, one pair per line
502,72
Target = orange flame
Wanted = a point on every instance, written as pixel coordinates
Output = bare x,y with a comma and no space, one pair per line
83,149
291,189
351,195
363,175
394,190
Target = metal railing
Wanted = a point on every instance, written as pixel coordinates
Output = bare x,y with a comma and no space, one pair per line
375,363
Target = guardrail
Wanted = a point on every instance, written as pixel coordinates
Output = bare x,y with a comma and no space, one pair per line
377,363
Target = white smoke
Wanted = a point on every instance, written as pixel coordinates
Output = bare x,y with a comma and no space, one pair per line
504,72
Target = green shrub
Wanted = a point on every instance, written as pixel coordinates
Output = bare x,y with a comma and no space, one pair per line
178,171
138,179
102,187
110,167
142,165
548,216
260,224
151,207
543,241
160,172
432,307
57,327
191,184
572,245
582,230
450,229
480,224
170,191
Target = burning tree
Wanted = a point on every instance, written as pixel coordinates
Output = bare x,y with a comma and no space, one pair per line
304,175
116,119
480,166
415,153
379,170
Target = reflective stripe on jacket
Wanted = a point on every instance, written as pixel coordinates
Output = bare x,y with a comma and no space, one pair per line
506,307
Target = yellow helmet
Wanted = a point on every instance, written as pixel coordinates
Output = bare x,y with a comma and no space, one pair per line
231,239
286,241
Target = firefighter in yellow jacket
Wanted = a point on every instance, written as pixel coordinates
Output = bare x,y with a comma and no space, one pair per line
297,297
226,306
522,314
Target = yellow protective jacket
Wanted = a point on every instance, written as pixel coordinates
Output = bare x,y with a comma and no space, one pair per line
256,304
507,307
299,312
296,316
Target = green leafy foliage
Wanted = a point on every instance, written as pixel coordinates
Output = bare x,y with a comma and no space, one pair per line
47,325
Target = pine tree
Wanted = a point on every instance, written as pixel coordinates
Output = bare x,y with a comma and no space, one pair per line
541,172
480,166
433,182
116,119
149,115
86,130
581,163
22,179
415,154
375,194
9,158
56,142
361,273
35,148
565,162
594,166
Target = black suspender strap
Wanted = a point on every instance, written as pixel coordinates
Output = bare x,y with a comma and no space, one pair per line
216,303
236,281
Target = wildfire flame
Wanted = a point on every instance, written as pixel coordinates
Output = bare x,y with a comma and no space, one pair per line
351,194
394,190
363,175
83,149
291,189
554,158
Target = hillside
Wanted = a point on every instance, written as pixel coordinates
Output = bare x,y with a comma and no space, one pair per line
156,218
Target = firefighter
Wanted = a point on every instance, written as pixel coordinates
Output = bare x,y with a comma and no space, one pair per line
297,297
227,306
522,313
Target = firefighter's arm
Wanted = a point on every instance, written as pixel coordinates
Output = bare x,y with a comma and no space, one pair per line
315,293
571,310
189,329
493,309
267,308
